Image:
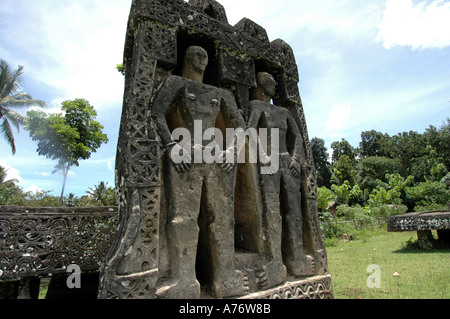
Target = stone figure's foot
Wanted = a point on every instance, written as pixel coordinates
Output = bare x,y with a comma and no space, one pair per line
178,289
271,275
304,267
237,285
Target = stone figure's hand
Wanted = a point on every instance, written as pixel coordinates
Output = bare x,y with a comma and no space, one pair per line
222,160
181,158
266,163
295,168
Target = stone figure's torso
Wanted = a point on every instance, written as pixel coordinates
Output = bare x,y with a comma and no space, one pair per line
270,116
199,102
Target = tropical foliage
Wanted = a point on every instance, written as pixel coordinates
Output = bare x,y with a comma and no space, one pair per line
12,99
11,194
385,175
67,138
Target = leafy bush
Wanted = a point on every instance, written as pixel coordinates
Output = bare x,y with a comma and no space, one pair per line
348,195
337,229
428,195
389,210
325,196
392,192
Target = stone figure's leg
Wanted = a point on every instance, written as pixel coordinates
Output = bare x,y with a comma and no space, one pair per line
274,272
184,193
218,221
294,258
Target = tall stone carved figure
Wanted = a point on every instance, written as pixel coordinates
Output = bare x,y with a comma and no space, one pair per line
281,188
192,223
189,186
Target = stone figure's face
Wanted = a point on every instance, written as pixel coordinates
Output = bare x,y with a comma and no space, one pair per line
198,58
267,83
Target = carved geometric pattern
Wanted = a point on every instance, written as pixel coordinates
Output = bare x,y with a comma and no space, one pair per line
38,241
318,287
249,27
237,68
145,253
213,9
136,287
144,164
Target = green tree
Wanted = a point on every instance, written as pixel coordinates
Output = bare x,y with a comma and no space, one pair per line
67,138
3,175
9,191
70,199
343,170
439,140
99,193
321,163
391,192
325,196
408,147
40,199
11,98
346,194
429,195
343,147
374,168
374,144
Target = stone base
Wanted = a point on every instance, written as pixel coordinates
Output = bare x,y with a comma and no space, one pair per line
318,287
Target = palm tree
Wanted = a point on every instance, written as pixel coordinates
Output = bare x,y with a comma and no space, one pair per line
99,192
3,180
10,98
70,200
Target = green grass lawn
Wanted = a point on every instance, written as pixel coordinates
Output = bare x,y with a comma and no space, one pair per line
421,274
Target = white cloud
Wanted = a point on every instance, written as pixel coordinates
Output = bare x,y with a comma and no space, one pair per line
75,48
337,118
291,20
420,25
71,173
110,165
33,189
44,174
11,172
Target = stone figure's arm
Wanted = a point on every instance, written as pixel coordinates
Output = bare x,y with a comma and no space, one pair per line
231,113
297,138
165,98
256,111
255,115
232,118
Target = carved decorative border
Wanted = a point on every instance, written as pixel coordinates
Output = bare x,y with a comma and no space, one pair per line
41,241
420,221
318,287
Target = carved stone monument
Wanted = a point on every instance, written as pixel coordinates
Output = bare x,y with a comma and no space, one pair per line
197,217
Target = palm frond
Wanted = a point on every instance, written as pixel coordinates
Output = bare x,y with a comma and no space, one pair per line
10,81
4,72
9,181
15,118
18,96
21,100
6,132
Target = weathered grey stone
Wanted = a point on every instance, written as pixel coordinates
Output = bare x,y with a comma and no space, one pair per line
37,242
423,223
190,230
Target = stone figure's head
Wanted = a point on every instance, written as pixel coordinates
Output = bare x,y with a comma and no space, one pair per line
267,83
197,58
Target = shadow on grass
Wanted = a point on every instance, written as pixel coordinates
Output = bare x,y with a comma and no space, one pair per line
412,247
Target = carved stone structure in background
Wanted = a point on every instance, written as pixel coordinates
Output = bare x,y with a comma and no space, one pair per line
187,231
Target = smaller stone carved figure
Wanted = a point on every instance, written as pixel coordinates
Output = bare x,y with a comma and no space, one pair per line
193,187
282,217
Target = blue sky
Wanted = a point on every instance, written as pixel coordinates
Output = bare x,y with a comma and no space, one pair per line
364,64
